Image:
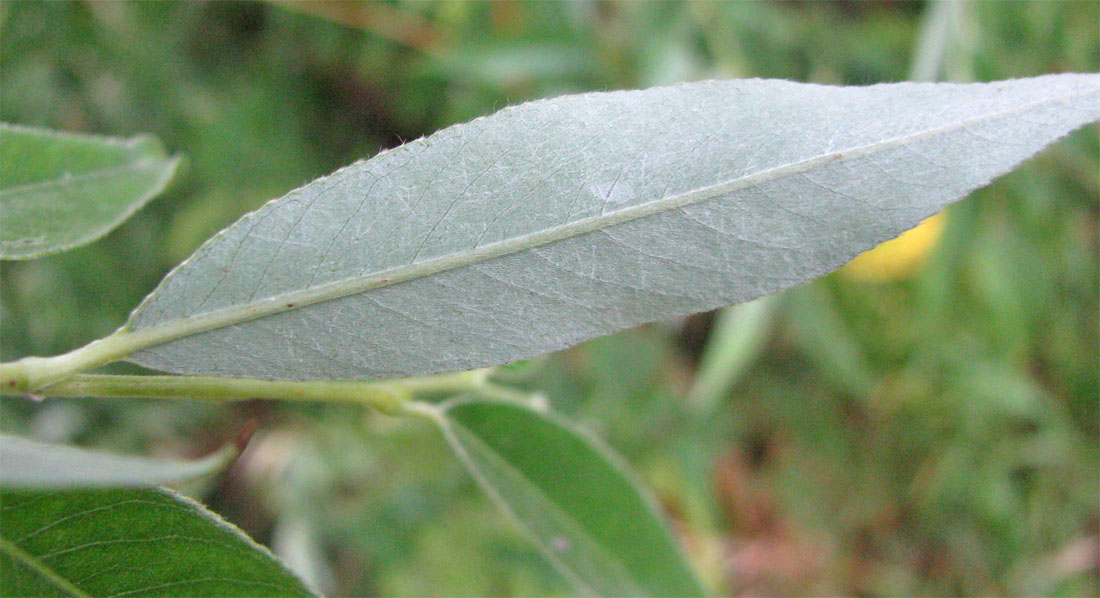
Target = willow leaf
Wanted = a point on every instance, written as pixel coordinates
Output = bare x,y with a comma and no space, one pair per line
30,464
572,496
62,190
552,222
129,542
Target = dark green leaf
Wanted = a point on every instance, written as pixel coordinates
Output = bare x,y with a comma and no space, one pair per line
129,543
574,497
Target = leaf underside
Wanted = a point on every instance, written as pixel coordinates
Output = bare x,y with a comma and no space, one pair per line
556,221
29,464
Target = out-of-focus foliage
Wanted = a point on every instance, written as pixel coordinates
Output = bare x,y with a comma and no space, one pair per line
38,465
936,434
60,190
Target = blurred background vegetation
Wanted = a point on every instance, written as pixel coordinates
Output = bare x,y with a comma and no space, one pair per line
926,429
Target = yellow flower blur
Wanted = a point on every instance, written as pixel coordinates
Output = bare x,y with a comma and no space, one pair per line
898,258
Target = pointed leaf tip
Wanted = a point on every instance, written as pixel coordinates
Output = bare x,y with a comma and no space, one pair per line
552,222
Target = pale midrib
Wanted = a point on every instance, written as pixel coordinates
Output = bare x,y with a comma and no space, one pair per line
564,519
40,568
133,340
85,177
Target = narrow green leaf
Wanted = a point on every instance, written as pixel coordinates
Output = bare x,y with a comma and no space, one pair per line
736,340
574,497
60,190
29,464
556,221
136,542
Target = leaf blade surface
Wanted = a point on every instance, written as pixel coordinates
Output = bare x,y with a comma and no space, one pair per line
555,221
129,542
29,464
573,497
61,190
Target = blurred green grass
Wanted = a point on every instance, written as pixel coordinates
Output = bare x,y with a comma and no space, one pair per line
933,435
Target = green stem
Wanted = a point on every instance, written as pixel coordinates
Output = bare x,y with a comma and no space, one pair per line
386,396
424,411
30,374
57,376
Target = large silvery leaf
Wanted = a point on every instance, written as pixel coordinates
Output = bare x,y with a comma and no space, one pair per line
572,497
28,464
129,542
61,190
555,221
